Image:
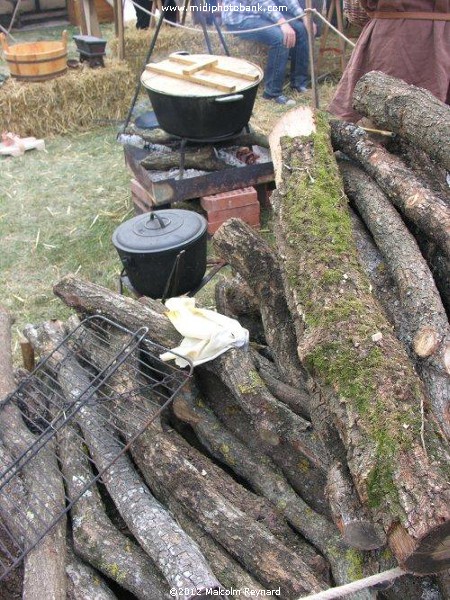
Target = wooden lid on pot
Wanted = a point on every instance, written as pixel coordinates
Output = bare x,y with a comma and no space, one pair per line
201,75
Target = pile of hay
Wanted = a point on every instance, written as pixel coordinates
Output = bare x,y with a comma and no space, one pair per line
79,100
174,39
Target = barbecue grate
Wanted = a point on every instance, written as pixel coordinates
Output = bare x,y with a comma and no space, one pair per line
93,360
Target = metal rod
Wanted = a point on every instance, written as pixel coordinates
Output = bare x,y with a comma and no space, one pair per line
147,60
216,21
312,57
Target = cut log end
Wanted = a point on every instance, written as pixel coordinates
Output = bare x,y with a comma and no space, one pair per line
362,535
295,123
426,342
430,555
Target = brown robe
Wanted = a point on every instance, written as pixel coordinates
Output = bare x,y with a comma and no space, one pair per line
417,51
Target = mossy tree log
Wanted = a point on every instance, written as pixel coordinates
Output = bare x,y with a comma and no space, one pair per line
428,211
249,253
412,112
364,375
428,332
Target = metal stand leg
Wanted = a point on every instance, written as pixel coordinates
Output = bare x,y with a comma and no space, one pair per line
147,60
202,21
172,282
221,36
182,157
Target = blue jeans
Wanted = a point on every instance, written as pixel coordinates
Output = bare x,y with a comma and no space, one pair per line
278,55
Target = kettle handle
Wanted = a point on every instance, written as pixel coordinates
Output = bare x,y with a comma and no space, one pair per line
153,216
233,98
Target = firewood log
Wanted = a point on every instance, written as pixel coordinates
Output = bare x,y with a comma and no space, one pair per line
372,261
410,196
305,479
297,398
234,299
84,583
96,540
266,479
364,375
203,159
44,566
428,333
176,555
158,136
424,167
412,112
252,258
230,572
90,299
233,236
274,421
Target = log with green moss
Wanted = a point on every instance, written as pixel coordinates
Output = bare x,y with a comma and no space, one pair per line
253,258
398,462
426,331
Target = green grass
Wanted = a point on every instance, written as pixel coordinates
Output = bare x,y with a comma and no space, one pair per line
58,210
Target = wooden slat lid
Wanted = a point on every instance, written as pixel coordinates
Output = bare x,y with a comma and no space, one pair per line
201,75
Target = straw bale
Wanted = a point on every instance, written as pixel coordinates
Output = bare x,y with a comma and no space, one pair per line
79,100
175,39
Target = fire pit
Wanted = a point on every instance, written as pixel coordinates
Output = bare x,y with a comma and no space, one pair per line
166,186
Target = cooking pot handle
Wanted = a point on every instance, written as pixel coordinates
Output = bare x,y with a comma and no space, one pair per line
161,223
233,98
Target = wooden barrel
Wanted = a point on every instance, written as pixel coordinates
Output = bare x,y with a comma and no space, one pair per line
36,61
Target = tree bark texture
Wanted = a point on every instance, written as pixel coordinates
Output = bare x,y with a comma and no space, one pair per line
84,583
428,334
410,196
257,264
96,540
175,554
363,373
412,112
44,567
230,239
204,159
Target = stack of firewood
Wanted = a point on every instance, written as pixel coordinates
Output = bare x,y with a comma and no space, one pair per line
320,454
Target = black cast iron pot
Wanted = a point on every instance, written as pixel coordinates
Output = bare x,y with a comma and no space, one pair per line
209,118
201,115
149,245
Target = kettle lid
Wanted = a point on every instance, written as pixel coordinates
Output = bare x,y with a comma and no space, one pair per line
159,230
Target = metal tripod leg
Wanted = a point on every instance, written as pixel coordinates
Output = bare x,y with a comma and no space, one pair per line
147,60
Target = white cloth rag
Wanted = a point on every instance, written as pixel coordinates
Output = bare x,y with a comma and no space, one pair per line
206,334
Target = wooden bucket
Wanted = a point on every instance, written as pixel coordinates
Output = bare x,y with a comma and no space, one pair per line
36,61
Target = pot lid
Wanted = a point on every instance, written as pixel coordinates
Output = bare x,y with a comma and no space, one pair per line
159,230
200,75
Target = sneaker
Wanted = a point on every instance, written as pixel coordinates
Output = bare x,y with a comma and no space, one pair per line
299,88
280,100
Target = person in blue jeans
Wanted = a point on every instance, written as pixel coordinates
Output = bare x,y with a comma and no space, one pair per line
286,40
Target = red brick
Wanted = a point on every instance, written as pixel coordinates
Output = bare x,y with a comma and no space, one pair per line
241,212
231,199
252,220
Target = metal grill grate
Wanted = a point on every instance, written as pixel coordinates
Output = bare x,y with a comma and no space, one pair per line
99,373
